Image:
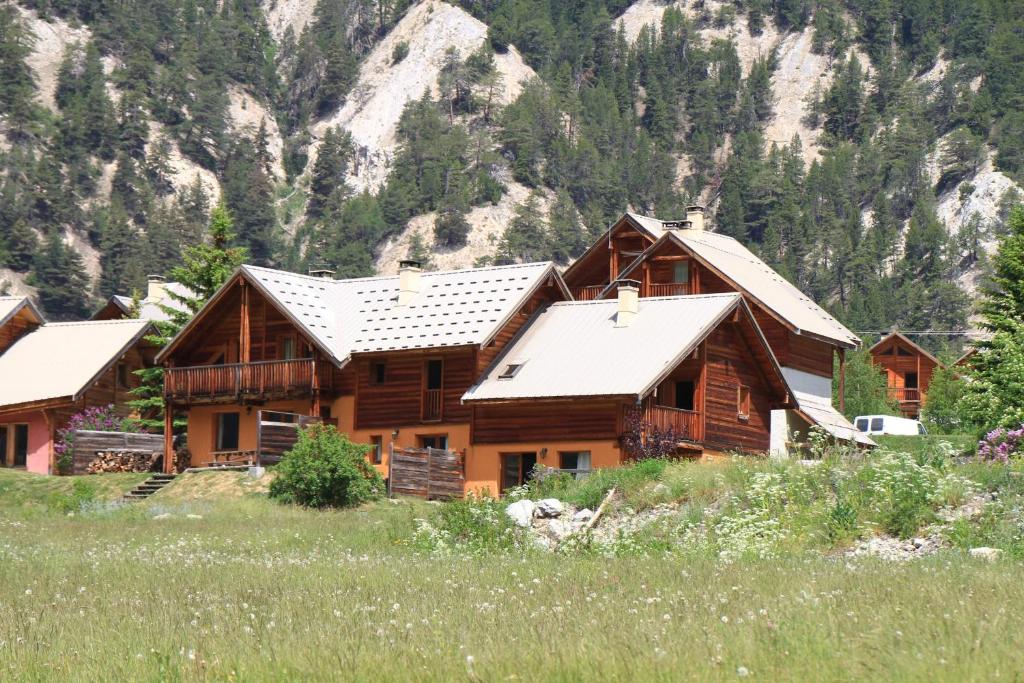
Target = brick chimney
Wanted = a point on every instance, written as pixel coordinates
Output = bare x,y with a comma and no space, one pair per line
409,275
629,302
156,288
695,215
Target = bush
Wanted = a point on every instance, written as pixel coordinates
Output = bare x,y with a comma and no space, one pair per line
476,524
400,52
1001,444
325,469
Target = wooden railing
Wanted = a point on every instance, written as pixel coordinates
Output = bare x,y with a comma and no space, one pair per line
300,376
687,424
905,394
588,293
667,289
432,404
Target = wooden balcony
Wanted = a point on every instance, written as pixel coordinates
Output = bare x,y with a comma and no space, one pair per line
667,289
905,394
588,293
276,378
432,400
687,425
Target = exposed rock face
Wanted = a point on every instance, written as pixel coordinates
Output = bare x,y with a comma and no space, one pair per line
374,107
288,14
53,37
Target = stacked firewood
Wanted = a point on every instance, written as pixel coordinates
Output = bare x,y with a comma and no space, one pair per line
122,461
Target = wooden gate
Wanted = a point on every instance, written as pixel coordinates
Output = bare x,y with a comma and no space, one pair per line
277,432
426,472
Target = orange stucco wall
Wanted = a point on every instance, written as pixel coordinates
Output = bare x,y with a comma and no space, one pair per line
483,461
202,424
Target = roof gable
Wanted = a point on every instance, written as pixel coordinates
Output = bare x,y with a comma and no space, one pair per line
573,349
11,306
62,360
898,338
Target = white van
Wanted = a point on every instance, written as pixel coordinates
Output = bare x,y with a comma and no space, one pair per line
889,424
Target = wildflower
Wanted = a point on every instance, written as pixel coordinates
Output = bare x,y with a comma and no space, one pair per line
742,671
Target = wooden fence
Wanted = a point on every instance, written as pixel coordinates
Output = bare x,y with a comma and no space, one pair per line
87,443
278,432
426,472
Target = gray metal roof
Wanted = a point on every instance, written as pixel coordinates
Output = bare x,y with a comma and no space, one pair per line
452,308
821,412
62,359
754,277
575,349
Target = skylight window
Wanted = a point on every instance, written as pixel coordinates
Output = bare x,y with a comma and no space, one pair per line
510,371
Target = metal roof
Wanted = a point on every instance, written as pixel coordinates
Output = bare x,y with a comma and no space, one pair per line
11,305
59,360
753,276
452,308
574,348
819,411
153,308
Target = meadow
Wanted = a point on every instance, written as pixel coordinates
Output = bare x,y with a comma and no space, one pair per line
227,586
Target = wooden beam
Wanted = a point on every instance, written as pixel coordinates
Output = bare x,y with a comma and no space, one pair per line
243,327
842,379
168,437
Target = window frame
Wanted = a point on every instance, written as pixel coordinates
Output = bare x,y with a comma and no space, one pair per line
121,376
218,431
421,440
743,402
377,452
376,378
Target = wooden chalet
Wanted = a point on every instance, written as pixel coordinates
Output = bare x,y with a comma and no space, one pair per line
908,371
387,359
49,371
680,258
587,382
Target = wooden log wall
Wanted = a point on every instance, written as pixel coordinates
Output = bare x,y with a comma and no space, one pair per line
87,443
730,364
531,421
427,473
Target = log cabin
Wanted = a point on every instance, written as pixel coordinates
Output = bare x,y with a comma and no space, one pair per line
670,258
908,371
589,383
53,370
385,358
18,317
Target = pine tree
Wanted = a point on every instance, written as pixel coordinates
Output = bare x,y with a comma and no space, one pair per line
17,85
59,276
568,239
22,246
525,238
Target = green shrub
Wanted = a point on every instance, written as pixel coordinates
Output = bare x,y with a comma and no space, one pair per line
474,524
590,491
82,492
400,52
325,469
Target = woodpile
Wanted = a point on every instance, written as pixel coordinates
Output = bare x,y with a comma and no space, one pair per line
123,461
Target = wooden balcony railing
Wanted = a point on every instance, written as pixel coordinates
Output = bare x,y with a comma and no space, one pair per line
667,289
687,424
588,293
905,394
432,404
275,377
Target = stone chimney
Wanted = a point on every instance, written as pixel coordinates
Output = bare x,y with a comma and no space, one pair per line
409,275
156,288
321,272
695,215
629,302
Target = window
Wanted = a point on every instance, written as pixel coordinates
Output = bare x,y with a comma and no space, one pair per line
288,348
862,424
516,468
910,380
227,432
876,424
378,372
377,441
438,441
575,460
743,402
122,375
435,373
510,371
684,395
325,412
681,272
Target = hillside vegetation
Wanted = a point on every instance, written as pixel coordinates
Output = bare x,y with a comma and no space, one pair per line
868,150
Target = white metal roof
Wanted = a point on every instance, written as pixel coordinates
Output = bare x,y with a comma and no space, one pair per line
575,349
755,277
452,308
58,360
820,410
153,308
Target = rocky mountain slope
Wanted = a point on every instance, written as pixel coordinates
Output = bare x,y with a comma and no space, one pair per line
374,59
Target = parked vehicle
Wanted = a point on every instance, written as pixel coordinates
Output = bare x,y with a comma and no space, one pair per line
889,424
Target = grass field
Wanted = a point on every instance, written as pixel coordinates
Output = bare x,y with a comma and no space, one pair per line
237,587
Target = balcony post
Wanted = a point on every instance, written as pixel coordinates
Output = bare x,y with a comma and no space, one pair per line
315,385
168,437
842,381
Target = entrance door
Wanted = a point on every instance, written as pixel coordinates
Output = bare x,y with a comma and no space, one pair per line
20,445
516,469
3,445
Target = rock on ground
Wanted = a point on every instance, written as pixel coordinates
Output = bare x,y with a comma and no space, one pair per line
521,512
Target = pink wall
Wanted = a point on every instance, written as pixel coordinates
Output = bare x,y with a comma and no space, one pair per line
38,439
